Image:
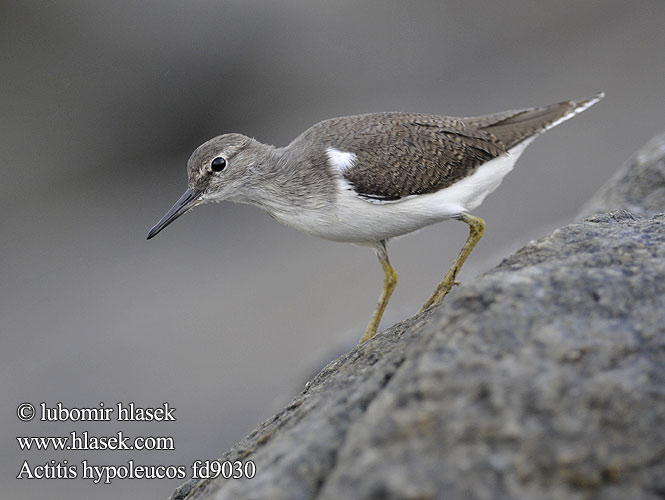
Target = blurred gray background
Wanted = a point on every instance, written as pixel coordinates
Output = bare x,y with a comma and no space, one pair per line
226,312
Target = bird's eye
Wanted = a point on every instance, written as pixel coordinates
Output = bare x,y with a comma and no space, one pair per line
218,164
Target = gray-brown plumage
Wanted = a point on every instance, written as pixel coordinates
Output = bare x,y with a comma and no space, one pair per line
368,178
403,154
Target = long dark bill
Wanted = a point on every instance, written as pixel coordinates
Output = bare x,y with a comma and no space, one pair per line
186,202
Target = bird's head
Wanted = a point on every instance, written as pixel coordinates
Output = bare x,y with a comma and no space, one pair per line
220,169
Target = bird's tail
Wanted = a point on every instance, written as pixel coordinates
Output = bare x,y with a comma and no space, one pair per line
514,127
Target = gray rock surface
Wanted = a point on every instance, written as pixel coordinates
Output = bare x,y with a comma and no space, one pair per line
543,379
639,186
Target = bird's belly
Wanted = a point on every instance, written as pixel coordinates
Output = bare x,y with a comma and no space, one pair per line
355,221
358,221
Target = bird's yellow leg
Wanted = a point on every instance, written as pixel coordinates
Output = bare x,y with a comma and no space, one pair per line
389,284
476,230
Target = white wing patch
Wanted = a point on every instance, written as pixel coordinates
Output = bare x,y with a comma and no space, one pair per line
340,161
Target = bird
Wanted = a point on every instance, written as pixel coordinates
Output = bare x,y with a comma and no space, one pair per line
367,178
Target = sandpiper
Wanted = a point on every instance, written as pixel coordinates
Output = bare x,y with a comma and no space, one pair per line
365,179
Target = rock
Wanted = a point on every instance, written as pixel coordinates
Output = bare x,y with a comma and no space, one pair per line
543,379
639,186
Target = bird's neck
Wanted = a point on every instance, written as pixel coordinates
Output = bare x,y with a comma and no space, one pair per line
264,184
287,182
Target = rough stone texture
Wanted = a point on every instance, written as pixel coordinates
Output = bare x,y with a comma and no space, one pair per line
639,186
544,379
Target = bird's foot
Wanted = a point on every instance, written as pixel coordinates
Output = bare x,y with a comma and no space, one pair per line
369,332
439,294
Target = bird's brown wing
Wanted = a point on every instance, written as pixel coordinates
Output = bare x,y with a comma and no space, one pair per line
401,155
